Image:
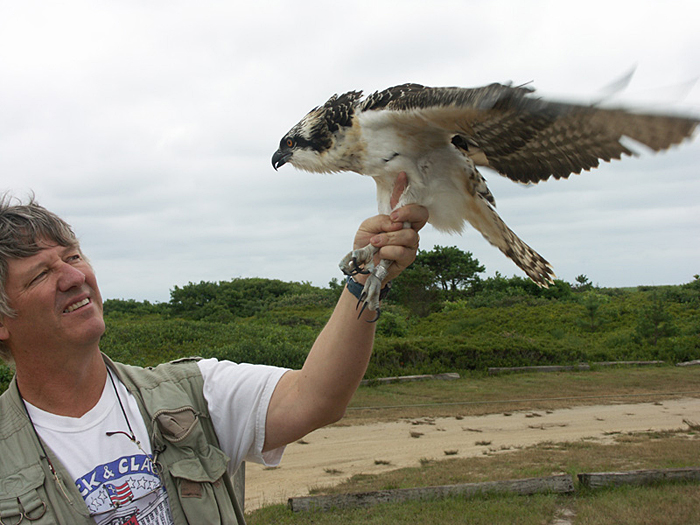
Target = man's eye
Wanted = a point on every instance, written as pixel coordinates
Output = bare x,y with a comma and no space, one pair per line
39,277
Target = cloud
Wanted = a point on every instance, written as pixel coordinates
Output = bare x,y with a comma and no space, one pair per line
150,126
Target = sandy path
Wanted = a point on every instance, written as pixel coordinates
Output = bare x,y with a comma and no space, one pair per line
354,449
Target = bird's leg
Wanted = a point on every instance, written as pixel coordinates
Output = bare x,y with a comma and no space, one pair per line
370,296
358,261
371,293
361,261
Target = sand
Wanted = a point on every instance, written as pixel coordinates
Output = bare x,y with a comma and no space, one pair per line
332,454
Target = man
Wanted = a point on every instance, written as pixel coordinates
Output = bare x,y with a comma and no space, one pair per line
85,440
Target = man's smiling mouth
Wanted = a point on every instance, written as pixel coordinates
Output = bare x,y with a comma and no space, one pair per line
77,305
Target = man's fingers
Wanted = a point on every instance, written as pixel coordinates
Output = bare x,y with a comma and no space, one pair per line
415,214
380,230
405,237
400,255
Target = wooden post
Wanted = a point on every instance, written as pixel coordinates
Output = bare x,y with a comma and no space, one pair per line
628,363
447,376
553,368
595,480
562,483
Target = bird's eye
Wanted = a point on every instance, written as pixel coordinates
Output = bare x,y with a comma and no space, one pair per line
290,142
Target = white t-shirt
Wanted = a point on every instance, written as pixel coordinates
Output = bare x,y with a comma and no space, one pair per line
115,475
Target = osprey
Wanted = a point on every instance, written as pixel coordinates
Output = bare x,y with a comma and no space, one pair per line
438,137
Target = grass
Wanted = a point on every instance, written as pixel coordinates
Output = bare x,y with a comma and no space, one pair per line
629,452
476,511
663,504
480,394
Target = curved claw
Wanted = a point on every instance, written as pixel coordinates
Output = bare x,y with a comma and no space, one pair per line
356,268
372,291
364,306
376,317
358,261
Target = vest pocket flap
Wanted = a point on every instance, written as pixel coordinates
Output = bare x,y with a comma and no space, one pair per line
18,484
177,424
19,496
201,489
202,469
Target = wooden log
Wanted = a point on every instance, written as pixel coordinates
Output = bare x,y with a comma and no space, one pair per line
628,363
448,376
694,362
552,368
562,483
565,368
597,480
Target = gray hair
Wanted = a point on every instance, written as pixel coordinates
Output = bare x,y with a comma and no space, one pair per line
22,226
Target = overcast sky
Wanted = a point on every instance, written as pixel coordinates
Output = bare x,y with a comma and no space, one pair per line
149,126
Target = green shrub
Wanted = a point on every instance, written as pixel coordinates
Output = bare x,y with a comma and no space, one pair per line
6,374
506,322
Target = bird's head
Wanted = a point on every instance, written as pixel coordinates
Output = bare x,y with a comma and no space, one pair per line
307,144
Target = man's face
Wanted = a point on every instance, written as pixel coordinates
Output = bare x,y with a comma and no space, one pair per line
56,299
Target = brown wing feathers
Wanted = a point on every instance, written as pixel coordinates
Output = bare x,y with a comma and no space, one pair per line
528,139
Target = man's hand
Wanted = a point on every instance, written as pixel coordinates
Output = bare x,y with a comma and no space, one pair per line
388,233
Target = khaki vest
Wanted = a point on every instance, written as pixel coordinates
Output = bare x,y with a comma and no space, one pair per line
185,447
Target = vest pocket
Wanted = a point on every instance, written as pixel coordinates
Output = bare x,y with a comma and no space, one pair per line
23,498
201,487
176,425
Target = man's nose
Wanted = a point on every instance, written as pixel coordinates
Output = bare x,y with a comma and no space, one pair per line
70,277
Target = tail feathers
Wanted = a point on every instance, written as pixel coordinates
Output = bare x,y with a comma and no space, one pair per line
528,260
494,230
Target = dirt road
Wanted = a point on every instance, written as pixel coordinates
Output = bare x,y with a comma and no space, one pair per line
331,455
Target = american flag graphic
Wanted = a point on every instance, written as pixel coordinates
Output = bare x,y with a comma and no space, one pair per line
119,494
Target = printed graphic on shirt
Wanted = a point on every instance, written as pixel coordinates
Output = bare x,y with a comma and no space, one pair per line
125,491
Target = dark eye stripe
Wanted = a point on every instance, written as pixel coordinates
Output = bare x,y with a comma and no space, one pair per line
301,142
297,142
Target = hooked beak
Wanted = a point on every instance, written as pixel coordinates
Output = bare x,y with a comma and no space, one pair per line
280,159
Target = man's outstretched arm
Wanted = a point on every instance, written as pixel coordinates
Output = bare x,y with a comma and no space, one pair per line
319,393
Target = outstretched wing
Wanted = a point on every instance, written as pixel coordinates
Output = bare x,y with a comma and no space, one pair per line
526,138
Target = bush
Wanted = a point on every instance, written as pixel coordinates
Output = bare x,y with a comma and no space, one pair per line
392,323
430,355
506,322
6,374
132,307
654,322
239,297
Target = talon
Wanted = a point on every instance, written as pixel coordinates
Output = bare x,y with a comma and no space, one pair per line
358,267
358,261
376,317
362,301
355,269
364,305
